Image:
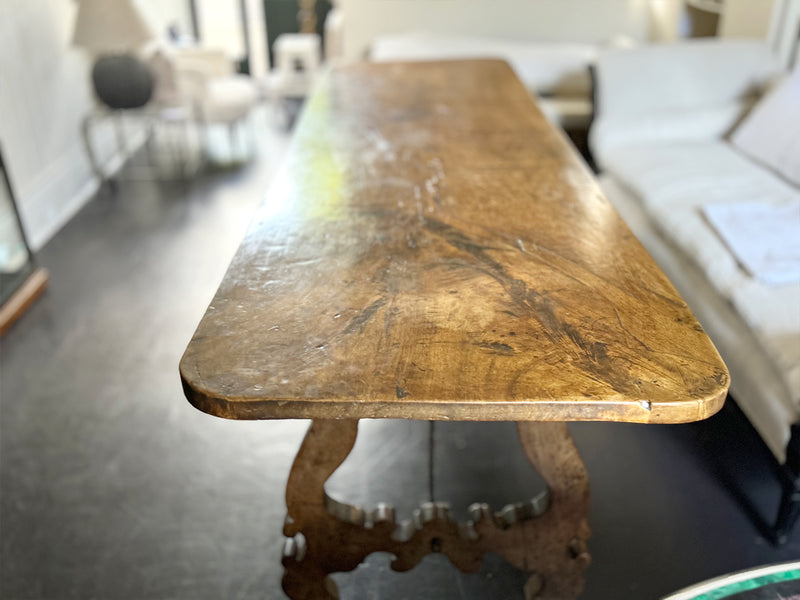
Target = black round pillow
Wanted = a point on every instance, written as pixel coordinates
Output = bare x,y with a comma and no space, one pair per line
122,81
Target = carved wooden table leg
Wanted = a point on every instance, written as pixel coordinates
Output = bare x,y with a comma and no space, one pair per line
307,562
551,546
545,536
554,546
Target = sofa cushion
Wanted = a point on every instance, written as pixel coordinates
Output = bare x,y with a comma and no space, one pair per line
771,132
674,183
693,90
669,126
692,74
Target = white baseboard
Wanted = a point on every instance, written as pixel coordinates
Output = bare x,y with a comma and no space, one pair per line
64,187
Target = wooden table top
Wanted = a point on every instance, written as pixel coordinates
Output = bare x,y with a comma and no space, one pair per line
434,249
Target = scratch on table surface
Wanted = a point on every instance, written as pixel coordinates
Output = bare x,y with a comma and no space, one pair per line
361,319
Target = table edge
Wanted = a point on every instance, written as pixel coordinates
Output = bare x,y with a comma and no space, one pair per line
570,409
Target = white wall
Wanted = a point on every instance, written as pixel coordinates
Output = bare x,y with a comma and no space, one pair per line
220,24
44,93
165,13
257,30
746,18
666,20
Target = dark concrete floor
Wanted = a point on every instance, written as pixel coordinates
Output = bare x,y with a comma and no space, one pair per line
113,487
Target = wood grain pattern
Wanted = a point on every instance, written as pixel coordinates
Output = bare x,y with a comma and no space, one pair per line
545,537
434,249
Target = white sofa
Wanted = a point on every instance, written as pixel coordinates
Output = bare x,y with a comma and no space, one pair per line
551,44
660,137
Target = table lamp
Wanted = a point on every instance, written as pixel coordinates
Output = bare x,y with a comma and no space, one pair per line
112,30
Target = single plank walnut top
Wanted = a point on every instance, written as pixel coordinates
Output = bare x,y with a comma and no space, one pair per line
434,249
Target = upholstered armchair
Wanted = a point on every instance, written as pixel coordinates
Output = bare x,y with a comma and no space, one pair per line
204,80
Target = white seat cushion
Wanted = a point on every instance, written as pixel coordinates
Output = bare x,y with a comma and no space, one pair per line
228,99
674,182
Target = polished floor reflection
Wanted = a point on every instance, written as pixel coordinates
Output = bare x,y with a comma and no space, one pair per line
113,487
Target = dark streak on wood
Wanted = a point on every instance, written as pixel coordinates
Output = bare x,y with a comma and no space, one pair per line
360,320
498,348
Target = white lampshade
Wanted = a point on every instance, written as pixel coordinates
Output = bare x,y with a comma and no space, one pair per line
109,26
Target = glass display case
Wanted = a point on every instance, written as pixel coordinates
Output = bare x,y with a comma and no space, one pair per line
21,281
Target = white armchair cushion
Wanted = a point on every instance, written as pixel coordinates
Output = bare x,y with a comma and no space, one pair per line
208,62
203,79
228,99
771,132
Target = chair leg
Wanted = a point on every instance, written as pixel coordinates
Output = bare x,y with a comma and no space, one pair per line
86,132
204,137
233,141
788,512
789,509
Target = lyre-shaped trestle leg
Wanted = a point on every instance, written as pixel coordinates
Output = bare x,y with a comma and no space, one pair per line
545,537
308,560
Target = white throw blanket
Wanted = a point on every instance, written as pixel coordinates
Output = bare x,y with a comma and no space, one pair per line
763,236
